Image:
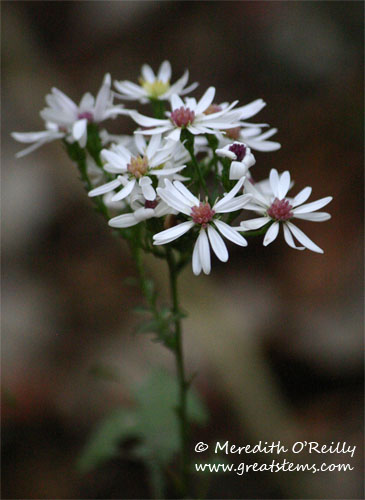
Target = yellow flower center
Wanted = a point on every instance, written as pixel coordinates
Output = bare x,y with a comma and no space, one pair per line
154,89
138,166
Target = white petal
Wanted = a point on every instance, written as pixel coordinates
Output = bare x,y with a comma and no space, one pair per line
266,134
174,198
257,197
164,73
197,267
178,86
237,170
251,109
30,149
204,251
264,146
302,196
153,131
189,89
87,102
314,216
186,193
249,225
274,182
144,213
145,184
79,129
172,233
175,134
205,101
303,239
147,73
141,144
132,90
176,102
123,193
220,204
102,99
271,233
146,121
105,188
218,245
284,184
311,207
66,102
153,145
230,233
125,220
235,204
289,238
166,171
30,136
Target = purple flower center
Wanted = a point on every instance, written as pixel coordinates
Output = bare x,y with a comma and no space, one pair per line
239,150
202,214
181,117
86,114
280,210
150,204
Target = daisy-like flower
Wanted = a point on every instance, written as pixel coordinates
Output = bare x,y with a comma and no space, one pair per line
153,86
66,119
273,206
241,156
190,115
202,215
136,170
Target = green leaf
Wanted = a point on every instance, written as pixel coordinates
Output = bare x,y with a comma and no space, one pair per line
104,442
157,400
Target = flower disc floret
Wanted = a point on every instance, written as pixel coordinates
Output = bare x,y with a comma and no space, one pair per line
156,88
202,214
87,115
138,166
239,150
182,117
280,210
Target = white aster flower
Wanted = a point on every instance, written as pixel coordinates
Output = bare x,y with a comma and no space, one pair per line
275,207
202,215
136,171
154,86
241,156
63,118
191,115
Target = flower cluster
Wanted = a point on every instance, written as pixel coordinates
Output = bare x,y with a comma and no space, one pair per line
185,175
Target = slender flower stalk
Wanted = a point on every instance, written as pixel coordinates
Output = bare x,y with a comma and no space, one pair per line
173,190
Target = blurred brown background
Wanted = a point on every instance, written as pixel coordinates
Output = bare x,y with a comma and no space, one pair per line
275,335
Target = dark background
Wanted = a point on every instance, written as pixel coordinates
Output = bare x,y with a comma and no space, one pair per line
275,335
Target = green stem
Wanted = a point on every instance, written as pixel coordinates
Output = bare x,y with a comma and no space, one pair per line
183,384
189,146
